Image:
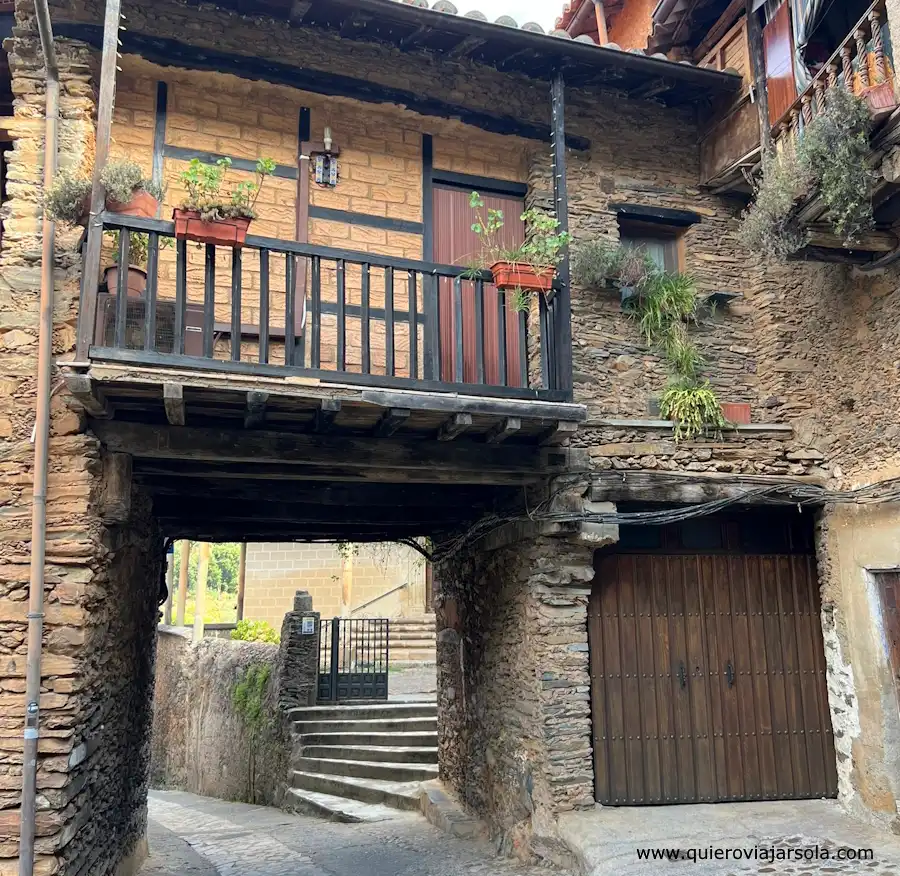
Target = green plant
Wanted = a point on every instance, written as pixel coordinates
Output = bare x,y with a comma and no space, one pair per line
599,263
544,242
138,247
255,631
208,195
249,695
122,179
693,407
67,199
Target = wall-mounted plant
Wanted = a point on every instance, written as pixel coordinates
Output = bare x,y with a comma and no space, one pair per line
523,269
831,158
128,191
214,212
603,264
68,198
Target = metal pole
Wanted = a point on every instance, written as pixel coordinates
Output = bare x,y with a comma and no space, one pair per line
41,457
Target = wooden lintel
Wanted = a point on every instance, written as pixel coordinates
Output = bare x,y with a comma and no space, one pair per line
503,430
85,392
465,47
173,400
326,413
391,420
115,499
454,427
559,433
256,409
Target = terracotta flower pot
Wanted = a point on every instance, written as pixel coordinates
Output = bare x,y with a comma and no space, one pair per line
880,97
222,232
136,282
735,412
511,275
141,204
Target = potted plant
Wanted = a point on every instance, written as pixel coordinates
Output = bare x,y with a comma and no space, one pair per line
138,248
213,213
68,199
127,190
602,264
526,268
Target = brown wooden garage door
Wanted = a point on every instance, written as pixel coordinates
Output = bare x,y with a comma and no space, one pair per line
708,678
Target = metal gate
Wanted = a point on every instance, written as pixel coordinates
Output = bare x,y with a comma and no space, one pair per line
353,659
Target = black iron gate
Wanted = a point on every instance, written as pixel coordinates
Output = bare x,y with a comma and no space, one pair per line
353,659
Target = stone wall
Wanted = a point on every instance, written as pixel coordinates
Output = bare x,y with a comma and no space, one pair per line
201,741
513,687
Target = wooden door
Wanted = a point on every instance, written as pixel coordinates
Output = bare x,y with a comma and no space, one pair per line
708,679
456,244
778,48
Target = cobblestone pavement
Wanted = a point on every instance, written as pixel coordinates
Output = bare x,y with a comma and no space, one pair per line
198,836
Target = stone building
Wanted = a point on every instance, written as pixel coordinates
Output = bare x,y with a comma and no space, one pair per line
410,403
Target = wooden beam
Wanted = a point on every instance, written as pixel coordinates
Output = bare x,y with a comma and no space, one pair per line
326,414
200,594
115,499
173,400
719,29
454,427
184,563
869,241
242,580
87,310
758,69
85,392
652,88
562,431
434,401
465,47
416,37
600,15
503,430
391,420
256,409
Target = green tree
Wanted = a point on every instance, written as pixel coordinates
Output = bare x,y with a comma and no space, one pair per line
224,563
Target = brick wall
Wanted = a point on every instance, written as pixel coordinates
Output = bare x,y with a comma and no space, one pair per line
275,572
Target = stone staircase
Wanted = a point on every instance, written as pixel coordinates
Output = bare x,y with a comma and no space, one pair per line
412,640
363,762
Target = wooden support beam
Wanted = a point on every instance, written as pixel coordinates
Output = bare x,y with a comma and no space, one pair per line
652,88
562,431
173,400
200,595
503,430
719,29
870,241
256,409
416,37
465,47
115,499
242,580
391,420
455,426
184,563
85,392
600,15
326,414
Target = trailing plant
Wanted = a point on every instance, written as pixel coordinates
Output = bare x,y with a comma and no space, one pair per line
208,194
67,199
122,179
255,631
830,157
248,697
693,407
600,263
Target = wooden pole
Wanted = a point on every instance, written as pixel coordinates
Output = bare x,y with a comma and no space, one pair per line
346,581
170,584
242,581
600,12
106,101
200,595
183,582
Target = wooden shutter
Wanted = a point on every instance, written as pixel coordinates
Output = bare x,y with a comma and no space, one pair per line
778,46
456,244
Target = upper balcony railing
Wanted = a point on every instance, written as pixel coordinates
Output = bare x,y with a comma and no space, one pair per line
278,307
862,63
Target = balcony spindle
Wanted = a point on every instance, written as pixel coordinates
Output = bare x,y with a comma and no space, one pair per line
263,306
862,59
501,337
847,66
290,302
236,304
152,284
832,70
523,348
389,321
365,329
413,328
315,334
180,294
795,129
877,48
479,331
341,317
122,288
819,88
209,301
806,108
459,349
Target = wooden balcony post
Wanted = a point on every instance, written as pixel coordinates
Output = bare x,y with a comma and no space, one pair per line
819,88
877,48
87,309
806,108
847,67
795,127
862,57
832,75
562,301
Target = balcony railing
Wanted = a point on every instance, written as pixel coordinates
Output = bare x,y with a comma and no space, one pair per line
862,63
279,307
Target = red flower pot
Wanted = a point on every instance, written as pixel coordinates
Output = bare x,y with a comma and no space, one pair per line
736,413
222,232
511,275
136,282
141,204
880,97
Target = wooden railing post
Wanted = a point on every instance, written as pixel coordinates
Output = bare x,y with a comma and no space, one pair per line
877,48
847,66
862,57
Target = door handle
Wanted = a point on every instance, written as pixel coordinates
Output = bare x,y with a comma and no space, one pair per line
682,675
729,673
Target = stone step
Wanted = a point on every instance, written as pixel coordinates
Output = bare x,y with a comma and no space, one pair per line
380,753
400,795
413,636
337,808
379,711
389,725
357,739
364,769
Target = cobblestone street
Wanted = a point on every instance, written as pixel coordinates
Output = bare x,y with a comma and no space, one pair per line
197,836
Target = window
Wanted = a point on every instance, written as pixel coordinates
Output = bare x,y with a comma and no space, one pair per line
660,242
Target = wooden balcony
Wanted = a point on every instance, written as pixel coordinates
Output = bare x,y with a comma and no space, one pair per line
303,338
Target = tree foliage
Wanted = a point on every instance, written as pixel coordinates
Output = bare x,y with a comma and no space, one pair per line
224,562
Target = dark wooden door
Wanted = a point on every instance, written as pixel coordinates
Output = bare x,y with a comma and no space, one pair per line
778,48
456,244
708,679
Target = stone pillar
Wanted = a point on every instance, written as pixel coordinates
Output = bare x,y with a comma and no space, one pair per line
298,663
514,729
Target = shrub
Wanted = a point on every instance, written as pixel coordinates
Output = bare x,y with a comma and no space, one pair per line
68,198
248,696
693,407
122,179
599,263
255,631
